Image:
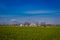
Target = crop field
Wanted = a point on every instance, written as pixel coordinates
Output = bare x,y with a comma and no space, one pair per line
29,33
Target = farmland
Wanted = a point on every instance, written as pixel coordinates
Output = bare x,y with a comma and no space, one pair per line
29,33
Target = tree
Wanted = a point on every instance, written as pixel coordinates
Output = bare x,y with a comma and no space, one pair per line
37,24
27,23
43,24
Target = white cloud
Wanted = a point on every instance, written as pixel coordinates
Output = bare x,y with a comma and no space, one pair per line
13,20
39,12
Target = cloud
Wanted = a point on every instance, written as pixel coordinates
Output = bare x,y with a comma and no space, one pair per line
13,20
39,12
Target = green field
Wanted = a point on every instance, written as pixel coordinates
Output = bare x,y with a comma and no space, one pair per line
29,33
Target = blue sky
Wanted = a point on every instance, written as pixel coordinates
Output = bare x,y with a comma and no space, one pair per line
30,10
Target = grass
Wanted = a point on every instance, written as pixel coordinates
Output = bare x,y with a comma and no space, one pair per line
29,33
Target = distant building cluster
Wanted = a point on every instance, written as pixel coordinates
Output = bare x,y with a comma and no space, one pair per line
28,24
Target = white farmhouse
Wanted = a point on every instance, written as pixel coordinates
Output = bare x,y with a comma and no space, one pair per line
21,25
32,24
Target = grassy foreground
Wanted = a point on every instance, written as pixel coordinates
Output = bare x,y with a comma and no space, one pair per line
29,33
